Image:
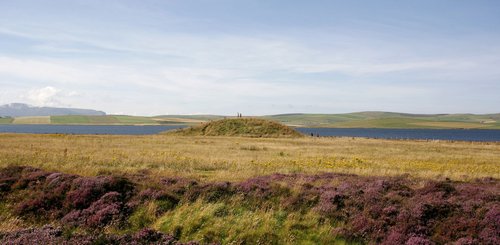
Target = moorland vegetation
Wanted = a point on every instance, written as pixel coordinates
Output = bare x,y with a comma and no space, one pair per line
274,209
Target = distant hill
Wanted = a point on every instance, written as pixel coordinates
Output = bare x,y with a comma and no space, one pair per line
377,119
24,110
368,119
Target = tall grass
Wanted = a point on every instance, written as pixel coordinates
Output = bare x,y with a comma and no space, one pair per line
238,158
232,222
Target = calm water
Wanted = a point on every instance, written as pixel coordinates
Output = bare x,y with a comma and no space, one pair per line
425,134
432,134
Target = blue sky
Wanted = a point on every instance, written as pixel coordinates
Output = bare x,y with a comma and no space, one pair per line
258,57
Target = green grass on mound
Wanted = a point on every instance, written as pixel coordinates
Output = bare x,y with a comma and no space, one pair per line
248,127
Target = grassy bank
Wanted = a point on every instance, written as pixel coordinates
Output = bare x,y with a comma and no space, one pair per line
239,158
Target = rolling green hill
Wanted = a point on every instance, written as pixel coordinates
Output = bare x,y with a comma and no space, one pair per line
390,120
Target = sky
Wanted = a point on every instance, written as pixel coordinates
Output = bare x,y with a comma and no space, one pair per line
257,57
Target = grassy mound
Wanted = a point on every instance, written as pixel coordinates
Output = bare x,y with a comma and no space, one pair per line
249,127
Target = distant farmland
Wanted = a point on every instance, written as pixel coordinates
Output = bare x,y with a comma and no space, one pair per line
99,120
390,120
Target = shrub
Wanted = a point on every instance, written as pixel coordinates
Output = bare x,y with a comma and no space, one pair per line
107,210
86,190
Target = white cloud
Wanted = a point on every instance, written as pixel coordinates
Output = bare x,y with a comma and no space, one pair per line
47,96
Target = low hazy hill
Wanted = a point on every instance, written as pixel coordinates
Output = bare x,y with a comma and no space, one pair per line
24,110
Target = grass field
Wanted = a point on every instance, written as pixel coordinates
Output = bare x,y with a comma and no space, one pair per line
409,123
6,120
279,190
229,158
84,120
116,120
195,118
135,120
31,120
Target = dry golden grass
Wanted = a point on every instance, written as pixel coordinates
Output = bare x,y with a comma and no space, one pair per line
236,158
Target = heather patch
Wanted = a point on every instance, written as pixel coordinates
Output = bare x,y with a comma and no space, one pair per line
278,208
52,235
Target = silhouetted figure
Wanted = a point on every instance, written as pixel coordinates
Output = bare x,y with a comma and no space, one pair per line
317,135
312,135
